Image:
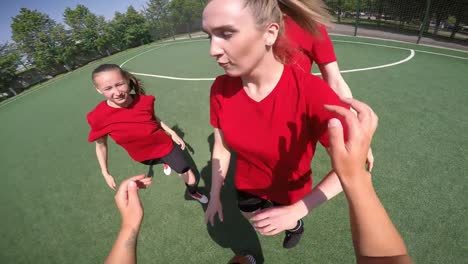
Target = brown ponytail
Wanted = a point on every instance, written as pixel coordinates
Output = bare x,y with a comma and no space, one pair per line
132,81
309,14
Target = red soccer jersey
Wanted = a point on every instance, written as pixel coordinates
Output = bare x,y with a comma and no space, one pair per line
134,128
275,139
307,48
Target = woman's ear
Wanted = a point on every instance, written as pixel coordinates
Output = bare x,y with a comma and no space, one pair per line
271,34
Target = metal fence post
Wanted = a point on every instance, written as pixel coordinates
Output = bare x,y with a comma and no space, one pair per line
426,17
358,12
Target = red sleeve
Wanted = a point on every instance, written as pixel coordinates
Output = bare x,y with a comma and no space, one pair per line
215,103
95,133
322,48
321,94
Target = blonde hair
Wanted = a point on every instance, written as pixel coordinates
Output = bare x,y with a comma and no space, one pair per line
309,14
132,81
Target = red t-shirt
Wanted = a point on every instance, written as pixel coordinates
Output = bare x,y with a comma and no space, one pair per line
134,128
307,48
275,139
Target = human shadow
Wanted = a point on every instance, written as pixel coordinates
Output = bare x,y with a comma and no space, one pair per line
235,232
193,166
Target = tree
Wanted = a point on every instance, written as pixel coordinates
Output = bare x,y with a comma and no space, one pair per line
186,12
9,61
157,13
129,29
84,27
43,41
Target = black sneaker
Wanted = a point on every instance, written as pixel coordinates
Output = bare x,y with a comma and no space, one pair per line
292,238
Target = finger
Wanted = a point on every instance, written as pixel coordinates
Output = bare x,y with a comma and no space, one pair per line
212,220
266,230
121,197
260,215
220,215
335,132
350,119
262,224
272,232
370,165
364,112
146,181
133,198
206,217
182,145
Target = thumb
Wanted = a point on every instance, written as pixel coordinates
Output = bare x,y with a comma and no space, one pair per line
133,198
335,131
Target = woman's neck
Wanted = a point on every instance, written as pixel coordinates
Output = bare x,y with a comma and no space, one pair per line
263,79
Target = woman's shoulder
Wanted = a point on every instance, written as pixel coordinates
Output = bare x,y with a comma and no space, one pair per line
225,84
97,112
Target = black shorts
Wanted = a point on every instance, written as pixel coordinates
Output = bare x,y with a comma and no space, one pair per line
249,203
175,159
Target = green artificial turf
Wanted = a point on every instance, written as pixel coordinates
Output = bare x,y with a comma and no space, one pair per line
57,208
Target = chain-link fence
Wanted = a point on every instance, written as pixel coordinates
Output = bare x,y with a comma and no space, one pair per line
445,20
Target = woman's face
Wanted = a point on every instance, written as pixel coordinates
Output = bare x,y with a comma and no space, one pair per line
113,86
236,41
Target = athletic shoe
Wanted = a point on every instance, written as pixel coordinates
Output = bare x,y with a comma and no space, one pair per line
292,238
167,169
199,197
239,259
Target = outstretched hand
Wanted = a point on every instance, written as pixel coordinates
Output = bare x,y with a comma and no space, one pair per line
128,201
349,158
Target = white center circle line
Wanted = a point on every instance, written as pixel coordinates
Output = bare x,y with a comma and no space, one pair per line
412,54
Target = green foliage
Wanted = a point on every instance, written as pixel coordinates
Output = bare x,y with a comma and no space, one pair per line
8,65
129,29
43,41
84,27
186,11
158,15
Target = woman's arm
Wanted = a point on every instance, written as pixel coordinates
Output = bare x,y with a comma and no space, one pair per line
331,75
101,153
219,167
375,238
178,140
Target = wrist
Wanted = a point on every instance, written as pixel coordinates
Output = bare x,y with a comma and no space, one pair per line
356,182
215,195
299,209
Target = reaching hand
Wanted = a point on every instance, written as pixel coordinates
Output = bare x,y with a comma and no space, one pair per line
110,181
128,201
179,141
274,220
214,207
349,158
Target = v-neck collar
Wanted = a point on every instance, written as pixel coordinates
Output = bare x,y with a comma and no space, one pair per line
272,93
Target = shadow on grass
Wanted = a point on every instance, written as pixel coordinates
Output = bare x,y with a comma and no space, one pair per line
235,232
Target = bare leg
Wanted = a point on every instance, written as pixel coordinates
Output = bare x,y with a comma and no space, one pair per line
189,177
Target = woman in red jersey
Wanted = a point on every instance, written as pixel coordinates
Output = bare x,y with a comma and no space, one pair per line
312,44
129,119
270,113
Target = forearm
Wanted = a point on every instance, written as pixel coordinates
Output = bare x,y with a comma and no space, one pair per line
374,234
331,75
219,168
124,248
101,153
328,188
165,127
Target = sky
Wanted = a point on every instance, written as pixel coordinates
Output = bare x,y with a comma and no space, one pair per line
55,9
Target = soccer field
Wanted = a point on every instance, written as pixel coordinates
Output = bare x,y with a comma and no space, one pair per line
57,208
